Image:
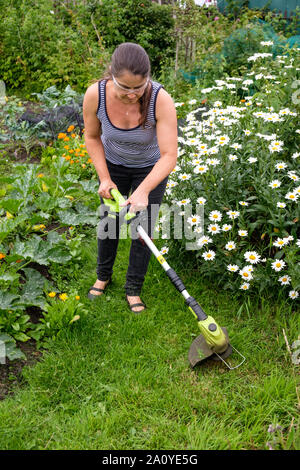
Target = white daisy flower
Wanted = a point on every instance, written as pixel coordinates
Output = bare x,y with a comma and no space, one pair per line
226,227
200,169
230,246
252,160
213,161
298,243
223,140
297,190
280,242
278,265
244,203
184,176
233,268
194,220
209,255
236,146
281,205
215,216
245,274
247,132
293,294
243,233
291,196
183,202
292,176
213,229
201,201
285,280
275,184
245,286
252,257
233,214
280,166
164,250
232,157
204,240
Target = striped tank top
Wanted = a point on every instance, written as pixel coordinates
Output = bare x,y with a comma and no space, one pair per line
136,147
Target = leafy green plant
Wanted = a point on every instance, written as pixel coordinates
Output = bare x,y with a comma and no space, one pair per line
59,313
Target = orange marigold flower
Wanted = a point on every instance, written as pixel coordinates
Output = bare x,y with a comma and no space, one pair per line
66,147
67,157
89,160
70,128
73,135
61,135
2,255
66,139
71,161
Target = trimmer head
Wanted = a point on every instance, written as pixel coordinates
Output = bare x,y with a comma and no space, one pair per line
200,351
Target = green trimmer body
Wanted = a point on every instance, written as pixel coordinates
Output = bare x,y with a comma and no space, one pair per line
213,342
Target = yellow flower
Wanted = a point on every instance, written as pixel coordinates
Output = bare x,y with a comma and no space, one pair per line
63,296
52,294
40,175
9,215
45,188
77,297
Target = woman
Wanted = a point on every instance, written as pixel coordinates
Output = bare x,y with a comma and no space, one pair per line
131,136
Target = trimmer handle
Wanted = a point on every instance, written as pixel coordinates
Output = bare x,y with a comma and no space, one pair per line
115,205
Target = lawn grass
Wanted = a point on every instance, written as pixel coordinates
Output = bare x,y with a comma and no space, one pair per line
117,380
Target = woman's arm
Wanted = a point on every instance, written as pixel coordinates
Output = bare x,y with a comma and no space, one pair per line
166,128
93,143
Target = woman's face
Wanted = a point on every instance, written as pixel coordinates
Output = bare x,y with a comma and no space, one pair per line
129,87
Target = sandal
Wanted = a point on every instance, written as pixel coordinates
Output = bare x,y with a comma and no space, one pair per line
92,296
132,306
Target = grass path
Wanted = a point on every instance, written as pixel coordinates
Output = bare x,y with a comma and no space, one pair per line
122,381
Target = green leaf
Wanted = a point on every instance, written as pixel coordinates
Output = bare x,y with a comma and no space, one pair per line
21,337
59,255
7,300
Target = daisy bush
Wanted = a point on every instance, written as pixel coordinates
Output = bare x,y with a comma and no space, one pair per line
239,157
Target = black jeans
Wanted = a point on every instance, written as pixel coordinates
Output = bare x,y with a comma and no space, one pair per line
127,180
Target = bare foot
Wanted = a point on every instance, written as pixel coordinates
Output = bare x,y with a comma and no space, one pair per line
135,299
99,285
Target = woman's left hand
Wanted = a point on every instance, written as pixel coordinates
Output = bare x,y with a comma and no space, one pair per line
138,201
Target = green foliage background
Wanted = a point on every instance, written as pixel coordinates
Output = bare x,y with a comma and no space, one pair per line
45,43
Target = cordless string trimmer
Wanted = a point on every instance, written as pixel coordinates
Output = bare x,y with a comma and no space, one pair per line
213,342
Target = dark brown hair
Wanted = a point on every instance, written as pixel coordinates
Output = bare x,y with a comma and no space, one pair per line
133,58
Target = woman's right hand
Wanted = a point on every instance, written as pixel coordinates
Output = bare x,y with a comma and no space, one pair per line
104,188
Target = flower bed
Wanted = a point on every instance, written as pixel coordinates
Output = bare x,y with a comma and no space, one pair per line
240,159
